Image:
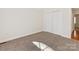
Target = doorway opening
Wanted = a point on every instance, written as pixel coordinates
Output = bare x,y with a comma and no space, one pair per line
75,33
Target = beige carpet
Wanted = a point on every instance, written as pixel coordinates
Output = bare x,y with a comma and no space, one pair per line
54,41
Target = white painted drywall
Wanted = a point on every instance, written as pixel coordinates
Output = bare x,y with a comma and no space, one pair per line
67,22
1,23
17,22
58,21
20,22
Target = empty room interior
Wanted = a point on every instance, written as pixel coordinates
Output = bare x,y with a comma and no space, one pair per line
39,29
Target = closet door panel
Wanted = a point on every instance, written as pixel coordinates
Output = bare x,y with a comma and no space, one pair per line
53,22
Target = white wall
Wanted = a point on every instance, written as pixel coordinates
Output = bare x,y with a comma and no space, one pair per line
1,22
58,21
67,22
19,22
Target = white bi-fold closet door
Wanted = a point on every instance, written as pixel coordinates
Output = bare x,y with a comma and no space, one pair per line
53,21
58,21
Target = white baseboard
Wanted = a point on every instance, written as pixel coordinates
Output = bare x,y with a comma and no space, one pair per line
67,36
13,38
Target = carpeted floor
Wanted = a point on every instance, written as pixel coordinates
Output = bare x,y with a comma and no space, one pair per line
54,41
